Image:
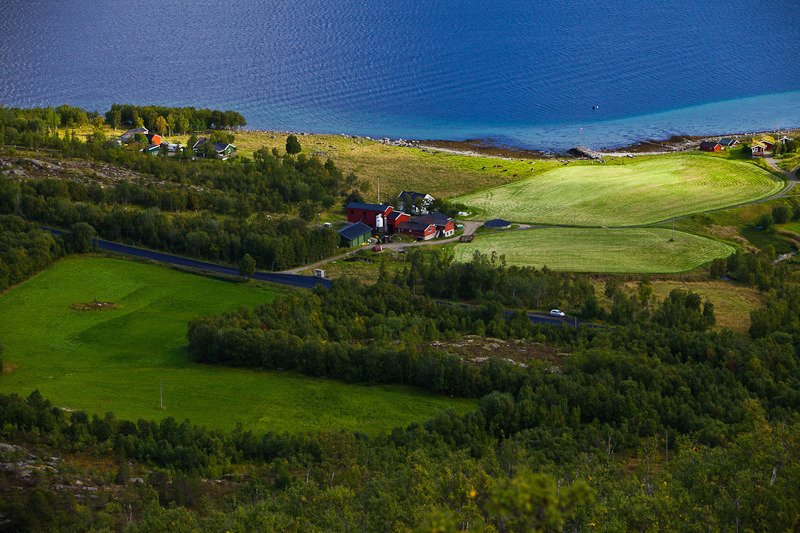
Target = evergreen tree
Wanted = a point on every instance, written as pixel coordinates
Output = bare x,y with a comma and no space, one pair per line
293,145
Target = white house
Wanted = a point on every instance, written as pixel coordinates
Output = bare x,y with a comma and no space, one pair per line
415,203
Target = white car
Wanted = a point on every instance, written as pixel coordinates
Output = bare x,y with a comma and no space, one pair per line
557,312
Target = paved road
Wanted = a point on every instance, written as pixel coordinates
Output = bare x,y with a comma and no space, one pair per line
293,280
791,175
303,282
536,318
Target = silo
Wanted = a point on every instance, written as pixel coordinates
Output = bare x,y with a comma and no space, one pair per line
379,223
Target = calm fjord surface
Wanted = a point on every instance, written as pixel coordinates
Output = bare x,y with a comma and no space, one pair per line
522,72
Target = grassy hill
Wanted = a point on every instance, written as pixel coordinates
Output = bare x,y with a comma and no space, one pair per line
115,359
622,250
626,192
394,168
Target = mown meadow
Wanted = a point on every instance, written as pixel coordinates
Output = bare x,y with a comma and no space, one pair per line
626,192
612,250
119,358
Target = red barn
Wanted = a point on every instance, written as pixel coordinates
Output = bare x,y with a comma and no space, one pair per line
710,146
154,138
417,229
366,213
397,217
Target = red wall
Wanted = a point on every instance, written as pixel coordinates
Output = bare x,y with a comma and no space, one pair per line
430,231
403,217
366,216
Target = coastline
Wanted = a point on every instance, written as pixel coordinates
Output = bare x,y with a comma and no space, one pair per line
675,143
487,147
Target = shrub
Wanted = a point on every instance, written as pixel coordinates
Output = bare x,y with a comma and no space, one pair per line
781,213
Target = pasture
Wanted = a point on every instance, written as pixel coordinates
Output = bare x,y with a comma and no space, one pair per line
733,302
117,357
626,192
615,250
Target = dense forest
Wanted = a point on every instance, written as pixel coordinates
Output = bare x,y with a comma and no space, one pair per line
265,206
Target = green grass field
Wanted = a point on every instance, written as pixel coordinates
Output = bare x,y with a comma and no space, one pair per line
626,192
115,359
621,250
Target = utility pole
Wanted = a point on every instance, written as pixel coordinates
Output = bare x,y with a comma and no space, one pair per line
161,395
379,189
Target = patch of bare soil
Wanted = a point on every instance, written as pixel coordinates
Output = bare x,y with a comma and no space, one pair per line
94,306
730,233
479,350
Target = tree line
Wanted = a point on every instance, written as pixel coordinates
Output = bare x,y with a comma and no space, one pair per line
24,250
636,424
172,120
274,243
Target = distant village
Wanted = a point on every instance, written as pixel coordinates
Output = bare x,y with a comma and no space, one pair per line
758,148
156,145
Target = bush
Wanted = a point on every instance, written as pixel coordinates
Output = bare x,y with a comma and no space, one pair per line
781,214
766,222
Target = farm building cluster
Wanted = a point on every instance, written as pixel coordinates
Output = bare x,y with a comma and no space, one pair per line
759,148
365,220
156,145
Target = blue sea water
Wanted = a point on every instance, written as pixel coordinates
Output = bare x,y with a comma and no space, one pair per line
522,72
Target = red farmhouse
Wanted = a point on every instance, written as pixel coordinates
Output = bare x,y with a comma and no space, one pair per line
417,229
710,146
445,227
366,213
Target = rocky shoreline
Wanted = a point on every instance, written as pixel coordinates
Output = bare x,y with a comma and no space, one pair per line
488,147
676,143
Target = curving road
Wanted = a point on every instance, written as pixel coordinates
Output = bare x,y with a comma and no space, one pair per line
293,280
